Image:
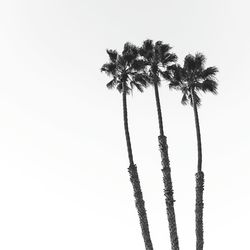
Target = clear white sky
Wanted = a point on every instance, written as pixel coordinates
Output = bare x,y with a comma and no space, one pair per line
63,162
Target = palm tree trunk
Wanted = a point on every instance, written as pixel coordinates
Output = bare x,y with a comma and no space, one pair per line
158,105
199,183
134,178
167,180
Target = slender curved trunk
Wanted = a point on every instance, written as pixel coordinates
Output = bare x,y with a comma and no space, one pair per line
134,178
167,180
199,176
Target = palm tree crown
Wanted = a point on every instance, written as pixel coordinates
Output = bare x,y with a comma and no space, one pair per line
193,76
157,57
126,69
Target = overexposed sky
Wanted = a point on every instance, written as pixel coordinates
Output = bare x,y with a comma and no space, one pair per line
63,162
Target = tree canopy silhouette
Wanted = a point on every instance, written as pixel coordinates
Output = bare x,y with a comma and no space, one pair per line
191,79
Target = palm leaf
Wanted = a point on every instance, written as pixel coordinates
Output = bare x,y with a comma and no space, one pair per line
174,84
158,50
184,99
109,68
111,84
166,74
142,78
189,63
177,72
147,49
209,72
137,85
165,48
209,86
130,52
112,55
200,60
169,58
138,64
119,87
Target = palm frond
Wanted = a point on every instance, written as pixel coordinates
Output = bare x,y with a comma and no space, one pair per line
169,58
162,51
142,78
111,84
209,86
138,64
209,72
177,72
127,89
112,55
184,99
128,47
137,85
166,74
158,44
119,87
146,50
130,52
189,63
157,51
109,68
200,60
148,44
174,84
165,48
121,62
172,67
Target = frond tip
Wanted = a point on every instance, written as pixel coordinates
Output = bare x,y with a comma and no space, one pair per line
109,68
111,84
209,72
184,99
209,86
112,55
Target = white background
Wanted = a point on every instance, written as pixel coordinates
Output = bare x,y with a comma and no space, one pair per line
63,162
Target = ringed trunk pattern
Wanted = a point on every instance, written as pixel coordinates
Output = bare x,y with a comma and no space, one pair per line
199,210
168,192
140,206
199,205
167,180
134,178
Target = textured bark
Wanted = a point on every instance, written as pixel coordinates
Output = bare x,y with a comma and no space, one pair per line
167,180
199,183
140,205
168,192
199,210
134,178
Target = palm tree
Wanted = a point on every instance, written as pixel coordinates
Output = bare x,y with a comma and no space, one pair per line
158,59
192,78
127,72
